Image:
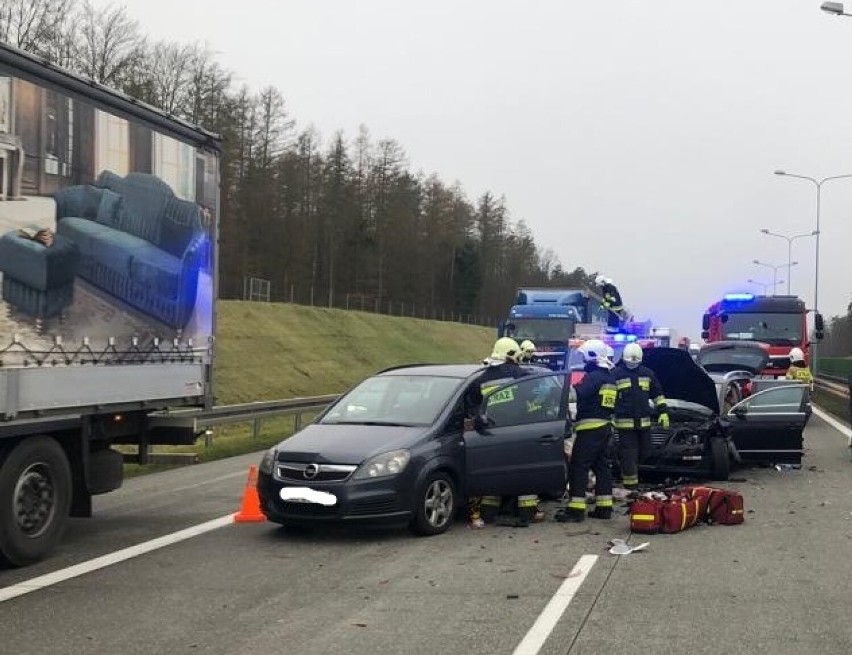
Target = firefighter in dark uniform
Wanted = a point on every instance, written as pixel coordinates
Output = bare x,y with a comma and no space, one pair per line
612,302
596,396
636,385
502,365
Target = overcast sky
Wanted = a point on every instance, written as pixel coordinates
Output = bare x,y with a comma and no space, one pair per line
635,137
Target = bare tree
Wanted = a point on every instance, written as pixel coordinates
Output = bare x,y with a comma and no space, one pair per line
32,25
110,44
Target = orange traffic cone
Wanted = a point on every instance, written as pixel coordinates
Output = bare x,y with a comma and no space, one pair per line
250,509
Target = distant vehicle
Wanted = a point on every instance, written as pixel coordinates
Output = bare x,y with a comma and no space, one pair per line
778,321
550,318
396,450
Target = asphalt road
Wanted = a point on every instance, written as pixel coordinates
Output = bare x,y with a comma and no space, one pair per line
777,584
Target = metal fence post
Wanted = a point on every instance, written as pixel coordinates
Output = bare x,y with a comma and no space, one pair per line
297,422
255,428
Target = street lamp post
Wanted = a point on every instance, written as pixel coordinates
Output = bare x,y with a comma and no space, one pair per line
774,268
833,6
790,241
765,285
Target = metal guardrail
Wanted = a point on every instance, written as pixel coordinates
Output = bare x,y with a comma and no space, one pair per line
834,384
199,419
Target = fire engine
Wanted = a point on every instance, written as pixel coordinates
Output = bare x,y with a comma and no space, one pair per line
779,322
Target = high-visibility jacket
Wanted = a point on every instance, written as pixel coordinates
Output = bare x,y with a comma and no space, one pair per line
800,374
611,298
595,398
479,390
636,387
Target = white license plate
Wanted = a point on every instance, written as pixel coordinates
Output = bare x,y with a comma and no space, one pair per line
307,495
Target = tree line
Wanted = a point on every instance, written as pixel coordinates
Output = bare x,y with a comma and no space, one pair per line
320,219
838,336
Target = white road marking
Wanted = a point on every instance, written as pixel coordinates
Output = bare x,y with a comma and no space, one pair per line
49,579
550,615
833,422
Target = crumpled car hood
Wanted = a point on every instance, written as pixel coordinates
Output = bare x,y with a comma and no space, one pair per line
681,378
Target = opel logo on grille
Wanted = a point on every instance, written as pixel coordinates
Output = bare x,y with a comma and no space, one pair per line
311,471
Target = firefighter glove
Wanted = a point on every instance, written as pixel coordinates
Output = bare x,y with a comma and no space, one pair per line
664,420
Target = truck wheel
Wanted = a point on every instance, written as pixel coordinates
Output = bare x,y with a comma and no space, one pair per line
720,462
35,498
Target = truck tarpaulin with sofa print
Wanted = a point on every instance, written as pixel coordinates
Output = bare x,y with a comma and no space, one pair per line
108,215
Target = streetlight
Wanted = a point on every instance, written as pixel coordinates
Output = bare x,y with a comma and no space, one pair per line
774,268
790,241
758,283
818,184
835,8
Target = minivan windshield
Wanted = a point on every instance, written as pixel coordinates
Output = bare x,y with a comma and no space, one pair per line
403,400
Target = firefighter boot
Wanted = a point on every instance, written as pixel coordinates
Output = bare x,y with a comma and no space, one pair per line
601,513
603,508
574,513
489,508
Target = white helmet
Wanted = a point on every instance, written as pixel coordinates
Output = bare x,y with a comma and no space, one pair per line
594,350
632,355
600,280
796,355
527,348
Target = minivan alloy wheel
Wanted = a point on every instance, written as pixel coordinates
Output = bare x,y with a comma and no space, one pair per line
438,502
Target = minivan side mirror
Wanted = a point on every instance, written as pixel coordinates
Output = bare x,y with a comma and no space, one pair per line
705,323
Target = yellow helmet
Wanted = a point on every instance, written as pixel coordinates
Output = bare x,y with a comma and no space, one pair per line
527,349
505,349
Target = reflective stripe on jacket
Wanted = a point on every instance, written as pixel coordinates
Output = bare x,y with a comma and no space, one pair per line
636,387
596,397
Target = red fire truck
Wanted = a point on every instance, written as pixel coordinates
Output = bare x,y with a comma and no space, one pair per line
779,322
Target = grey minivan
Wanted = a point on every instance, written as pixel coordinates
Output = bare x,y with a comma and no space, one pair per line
397,450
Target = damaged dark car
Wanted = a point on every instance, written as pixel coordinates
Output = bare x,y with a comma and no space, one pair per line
705,438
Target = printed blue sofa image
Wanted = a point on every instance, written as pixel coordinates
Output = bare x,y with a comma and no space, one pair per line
137,241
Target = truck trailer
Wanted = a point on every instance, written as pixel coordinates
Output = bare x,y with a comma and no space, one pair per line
108,233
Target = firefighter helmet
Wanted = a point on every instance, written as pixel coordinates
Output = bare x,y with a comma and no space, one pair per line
632,355
505,349
796,355
527,348
600,280
594,350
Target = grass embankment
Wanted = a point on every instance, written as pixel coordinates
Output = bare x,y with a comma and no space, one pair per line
268,351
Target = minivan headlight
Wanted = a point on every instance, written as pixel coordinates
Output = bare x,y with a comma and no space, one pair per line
382,466
268,461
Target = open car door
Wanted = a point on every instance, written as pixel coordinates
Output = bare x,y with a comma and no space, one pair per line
767,427
521,451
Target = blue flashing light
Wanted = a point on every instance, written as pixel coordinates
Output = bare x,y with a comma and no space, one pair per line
739,297
619,337
631,337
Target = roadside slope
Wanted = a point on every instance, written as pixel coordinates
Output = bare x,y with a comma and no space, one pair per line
267,351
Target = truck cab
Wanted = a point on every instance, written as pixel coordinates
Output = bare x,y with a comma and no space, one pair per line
780,322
